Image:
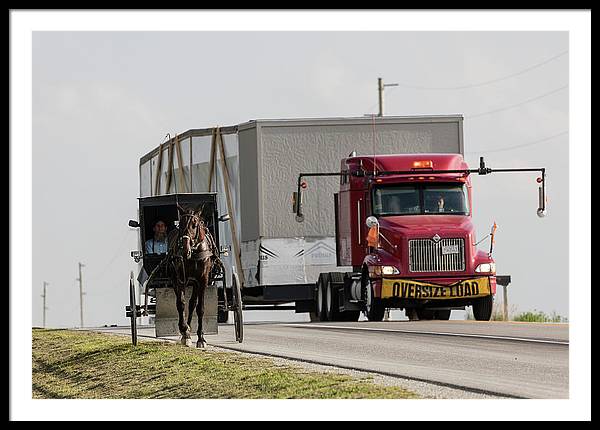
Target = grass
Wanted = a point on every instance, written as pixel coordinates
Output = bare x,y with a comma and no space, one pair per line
85,365
539,316
528,316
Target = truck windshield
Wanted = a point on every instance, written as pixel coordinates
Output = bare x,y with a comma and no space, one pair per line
422,199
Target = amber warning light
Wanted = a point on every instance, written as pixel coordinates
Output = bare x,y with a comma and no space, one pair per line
423,164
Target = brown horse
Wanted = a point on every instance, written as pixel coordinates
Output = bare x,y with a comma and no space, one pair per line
191,252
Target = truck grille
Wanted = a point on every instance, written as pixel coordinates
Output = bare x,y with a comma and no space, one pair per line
426,256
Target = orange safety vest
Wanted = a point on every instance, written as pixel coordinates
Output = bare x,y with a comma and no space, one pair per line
373,236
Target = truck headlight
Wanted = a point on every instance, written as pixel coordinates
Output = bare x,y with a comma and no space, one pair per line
384,270
486,268
389,270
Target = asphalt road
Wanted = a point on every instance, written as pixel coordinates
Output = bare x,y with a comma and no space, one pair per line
507,359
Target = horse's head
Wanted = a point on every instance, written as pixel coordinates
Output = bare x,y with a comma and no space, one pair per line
191,229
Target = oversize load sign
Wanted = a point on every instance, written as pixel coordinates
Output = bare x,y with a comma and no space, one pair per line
408,289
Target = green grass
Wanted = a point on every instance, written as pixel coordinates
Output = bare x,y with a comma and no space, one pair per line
85,365
528,316
539,316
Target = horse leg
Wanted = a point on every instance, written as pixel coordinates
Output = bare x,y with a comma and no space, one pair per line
192,304
201,286
184,329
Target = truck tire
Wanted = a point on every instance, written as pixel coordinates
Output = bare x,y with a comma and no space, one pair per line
331,301
482,308
321,310
375,310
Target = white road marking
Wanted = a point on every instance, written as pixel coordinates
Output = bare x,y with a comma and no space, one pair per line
521,339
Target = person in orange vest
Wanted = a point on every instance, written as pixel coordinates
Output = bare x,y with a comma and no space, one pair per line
373,236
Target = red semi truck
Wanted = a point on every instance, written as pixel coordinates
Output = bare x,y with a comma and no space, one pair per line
404,225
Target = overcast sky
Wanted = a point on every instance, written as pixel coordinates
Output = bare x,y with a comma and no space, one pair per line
102,99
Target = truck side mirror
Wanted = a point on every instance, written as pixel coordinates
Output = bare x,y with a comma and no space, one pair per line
541,212
373,235
372,221
133,223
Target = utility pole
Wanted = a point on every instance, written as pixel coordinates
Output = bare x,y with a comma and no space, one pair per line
44,308
380,87
81,293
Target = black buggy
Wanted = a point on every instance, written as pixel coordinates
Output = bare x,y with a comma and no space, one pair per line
156,279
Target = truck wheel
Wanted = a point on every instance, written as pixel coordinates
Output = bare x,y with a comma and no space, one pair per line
482,308
321,311
375,309
332,302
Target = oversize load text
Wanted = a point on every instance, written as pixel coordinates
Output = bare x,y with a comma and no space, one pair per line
407,289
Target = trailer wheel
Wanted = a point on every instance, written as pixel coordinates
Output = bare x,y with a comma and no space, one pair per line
321,311
482,308
375,310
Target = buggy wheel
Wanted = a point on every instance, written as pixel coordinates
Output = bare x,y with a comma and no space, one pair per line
133,310
222,302
238,320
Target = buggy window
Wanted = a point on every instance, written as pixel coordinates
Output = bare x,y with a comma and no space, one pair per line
152,214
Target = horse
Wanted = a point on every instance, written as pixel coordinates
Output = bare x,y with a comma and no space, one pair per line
192,251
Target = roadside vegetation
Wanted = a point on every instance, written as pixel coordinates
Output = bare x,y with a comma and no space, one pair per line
85,365
539,316
513,315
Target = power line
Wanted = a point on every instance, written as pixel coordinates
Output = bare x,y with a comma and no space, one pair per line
518,104
101,273
491,81
509,148
541,96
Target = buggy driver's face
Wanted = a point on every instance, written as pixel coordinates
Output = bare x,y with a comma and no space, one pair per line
160,228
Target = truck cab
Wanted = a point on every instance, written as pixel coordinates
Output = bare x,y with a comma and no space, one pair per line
409,239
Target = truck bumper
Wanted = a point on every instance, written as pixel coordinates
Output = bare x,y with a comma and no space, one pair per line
438,289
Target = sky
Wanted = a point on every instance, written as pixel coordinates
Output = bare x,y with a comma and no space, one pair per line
101,100
102,95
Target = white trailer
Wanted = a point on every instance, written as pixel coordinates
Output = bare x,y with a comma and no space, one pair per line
254,167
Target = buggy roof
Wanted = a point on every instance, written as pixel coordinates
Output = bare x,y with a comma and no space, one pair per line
192,199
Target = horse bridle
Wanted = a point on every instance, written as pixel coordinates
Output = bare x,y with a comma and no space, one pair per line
195,239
